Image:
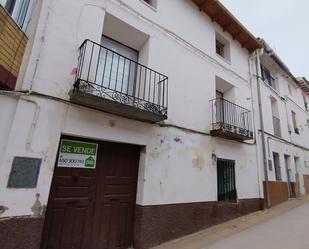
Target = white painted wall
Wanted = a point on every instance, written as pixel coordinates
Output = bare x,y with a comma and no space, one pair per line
292,144
176,166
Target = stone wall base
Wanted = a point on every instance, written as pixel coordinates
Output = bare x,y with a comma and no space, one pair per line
155,225
21,232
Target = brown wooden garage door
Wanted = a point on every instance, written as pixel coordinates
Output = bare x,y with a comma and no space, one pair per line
93,207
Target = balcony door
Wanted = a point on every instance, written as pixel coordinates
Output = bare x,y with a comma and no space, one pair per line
116,67
219,107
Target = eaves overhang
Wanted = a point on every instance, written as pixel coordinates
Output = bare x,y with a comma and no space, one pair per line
221,15
304,84
268,51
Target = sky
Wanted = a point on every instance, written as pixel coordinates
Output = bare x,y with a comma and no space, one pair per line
283,24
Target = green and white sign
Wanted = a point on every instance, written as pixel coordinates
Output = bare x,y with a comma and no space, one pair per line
77,154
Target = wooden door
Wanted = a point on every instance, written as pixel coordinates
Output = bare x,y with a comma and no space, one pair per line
116,193
94,208
69,211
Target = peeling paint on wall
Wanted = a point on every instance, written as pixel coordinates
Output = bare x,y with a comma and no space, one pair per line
3,209
37,207
177,140
198,162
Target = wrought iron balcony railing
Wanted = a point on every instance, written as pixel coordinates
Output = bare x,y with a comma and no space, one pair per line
111,82
230,120
13,43
277,126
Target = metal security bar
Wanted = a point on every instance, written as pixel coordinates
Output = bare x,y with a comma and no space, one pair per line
107,74
267,78
277,126
227,116
226,180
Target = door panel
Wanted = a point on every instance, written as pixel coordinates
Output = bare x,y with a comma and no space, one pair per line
94,208
219,107
69,208
116,196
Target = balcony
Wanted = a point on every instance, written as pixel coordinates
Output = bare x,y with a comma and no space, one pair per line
111,82
230,121
277,126
13,42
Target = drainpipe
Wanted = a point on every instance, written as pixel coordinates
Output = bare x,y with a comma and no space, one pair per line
257,63
287,120
286,166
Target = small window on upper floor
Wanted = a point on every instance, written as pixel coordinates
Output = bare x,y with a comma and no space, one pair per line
306,104
290,90
267,77
219,48
294,120
152,3
222,47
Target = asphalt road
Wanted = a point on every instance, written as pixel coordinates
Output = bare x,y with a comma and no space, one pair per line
289,230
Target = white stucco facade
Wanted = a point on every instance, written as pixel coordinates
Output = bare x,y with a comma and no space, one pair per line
176,165
280,100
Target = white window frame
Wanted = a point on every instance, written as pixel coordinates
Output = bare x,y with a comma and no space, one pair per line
21,12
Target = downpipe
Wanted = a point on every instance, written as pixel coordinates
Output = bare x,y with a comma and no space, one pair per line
265,164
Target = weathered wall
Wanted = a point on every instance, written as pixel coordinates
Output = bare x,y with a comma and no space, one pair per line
173,48
21,232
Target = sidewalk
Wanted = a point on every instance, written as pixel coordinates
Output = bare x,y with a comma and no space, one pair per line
205,238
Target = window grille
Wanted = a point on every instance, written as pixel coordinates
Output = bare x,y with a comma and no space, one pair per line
219,48
226,180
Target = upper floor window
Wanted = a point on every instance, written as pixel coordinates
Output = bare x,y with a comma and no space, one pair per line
18,9
290,90
152,3
219,48
306,104
267,78
222,47
276,118
294,120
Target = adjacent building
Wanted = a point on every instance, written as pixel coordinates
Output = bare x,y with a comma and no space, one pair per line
284,109
123,126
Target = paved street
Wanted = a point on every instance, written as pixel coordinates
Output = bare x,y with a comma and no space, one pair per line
282,227
289,230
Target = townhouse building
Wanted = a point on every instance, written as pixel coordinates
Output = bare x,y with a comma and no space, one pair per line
285,117
128,123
